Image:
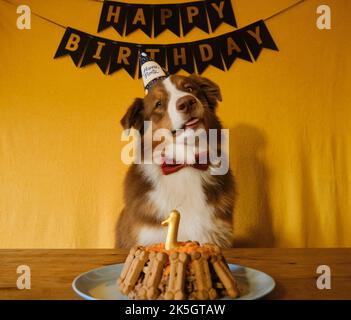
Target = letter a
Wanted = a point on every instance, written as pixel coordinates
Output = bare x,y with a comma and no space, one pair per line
324,280
324,20
23,281
23,21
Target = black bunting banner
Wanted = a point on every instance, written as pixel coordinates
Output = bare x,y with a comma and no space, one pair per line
180,56
193,57
220,11
257,37
192,16
206,53
166,17
125,18
113,14
139,17
98,51
233,46
123,55
73,43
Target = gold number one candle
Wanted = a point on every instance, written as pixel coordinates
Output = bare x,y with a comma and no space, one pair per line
173,223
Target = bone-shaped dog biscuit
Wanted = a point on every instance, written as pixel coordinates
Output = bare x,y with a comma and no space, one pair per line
175,289
203,276
134,271
153,276
128,263
224,274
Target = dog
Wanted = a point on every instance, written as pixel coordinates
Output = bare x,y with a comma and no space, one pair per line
205,201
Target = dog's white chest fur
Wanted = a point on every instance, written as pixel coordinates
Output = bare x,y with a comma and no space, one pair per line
182,191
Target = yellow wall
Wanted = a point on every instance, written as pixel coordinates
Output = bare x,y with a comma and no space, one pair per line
289,116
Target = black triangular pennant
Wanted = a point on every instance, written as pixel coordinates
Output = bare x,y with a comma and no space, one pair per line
193,15
73,43
233,46
257,37
123,55
98,51
139,17
207,52
156,53
180,56
220,11
113,14
166,17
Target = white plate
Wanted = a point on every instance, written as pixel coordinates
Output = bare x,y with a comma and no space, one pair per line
100,284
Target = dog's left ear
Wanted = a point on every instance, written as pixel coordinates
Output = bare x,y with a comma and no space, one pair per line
134,115
210,89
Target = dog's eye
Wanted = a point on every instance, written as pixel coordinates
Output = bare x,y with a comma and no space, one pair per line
158,104
189,89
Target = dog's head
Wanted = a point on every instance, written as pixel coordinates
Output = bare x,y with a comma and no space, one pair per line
177,102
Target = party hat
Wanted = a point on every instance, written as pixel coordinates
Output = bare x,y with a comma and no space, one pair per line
151,71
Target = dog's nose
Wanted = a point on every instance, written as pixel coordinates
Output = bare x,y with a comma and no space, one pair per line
185,104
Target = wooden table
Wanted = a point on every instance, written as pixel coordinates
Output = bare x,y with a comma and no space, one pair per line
294,270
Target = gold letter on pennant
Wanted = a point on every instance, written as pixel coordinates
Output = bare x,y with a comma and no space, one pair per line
123,54
152,53
73,42
256,34
165,14
115,14
232,46
139,17
192,12
218,8
179,56
97,54
206,52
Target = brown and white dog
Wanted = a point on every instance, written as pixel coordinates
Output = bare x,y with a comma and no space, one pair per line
205,201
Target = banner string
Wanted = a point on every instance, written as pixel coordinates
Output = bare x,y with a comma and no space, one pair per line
284,10
38,15
64,27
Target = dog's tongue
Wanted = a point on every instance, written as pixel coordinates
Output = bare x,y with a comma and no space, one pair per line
191,122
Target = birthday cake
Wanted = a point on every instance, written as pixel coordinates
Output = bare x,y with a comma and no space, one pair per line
188,271
176,270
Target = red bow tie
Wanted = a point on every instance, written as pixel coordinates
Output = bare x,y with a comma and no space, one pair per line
169,168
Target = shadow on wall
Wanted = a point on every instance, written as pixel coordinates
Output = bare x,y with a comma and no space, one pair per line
252,214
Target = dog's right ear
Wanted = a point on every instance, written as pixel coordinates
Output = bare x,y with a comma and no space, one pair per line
210,89
134,116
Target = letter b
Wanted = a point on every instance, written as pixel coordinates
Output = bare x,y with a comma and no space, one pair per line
72,42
